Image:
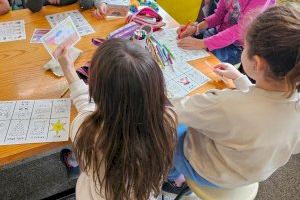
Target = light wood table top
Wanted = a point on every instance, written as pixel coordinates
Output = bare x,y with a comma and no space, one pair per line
23,77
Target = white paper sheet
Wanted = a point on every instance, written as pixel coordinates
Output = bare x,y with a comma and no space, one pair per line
12,30
182,78
168,38
34,121
82,26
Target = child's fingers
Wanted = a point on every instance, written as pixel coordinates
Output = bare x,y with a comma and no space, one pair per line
104,10
185,42
220,66
183,34
97,14
219,71
179,29
58,51
65,52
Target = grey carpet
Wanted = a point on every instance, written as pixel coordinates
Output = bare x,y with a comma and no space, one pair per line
45,175
34,178
284,184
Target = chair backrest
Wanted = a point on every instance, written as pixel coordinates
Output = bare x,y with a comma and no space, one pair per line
182,11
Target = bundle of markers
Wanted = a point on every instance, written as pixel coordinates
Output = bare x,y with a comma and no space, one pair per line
161,53
140,34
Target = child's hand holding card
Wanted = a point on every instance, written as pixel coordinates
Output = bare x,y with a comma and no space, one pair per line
63,34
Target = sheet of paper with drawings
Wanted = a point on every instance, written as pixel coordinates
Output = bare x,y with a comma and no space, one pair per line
181,78
34,121
168,37
81,24
12,31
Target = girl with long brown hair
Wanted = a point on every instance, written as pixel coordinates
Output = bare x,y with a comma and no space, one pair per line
239,137
124,135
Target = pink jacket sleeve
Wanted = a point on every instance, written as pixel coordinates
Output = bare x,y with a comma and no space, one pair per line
223,38
232,34
217,18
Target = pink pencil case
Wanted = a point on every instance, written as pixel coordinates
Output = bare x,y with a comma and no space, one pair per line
147,17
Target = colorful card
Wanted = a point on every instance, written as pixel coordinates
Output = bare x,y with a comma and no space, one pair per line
34,121
38,34
12,31
64,33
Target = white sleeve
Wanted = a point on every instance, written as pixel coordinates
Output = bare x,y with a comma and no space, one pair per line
204,113
242,83
80,98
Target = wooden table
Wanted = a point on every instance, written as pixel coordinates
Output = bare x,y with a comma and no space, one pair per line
23,77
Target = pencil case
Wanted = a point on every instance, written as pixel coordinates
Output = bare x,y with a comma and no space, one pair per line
147,17
125,32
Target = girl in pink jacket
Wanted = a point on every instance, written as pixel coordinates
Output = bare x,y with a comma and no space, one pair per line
222,30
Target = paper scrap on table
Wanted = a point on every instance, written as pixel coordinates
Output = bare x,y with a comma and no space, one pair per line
12,31
81,24
38,34
34,121
63,33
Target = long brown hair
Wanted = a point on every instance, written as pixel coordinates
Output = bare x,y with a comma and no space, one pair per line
275,36
131,134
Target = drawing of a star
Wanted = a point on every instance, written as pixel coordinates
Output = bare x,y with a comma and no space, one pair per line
58,127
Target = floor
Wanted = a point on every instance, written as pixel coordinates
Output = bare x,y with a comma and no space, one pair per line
45,175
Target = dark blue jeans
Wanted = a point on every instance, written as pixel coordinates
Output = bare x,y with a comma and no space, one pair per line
182,166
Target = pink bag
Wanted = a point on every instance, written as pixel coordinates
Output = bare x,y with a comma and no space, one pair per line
147,17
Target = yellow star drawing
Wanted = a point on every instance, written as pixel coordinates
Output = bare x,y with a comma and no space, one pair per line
58,127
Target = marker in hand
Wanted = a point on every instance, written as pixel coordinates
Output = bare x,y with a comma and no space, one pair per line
183,29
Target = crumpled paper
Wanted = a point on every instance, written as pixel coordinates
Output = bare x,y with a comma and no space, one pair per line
55,67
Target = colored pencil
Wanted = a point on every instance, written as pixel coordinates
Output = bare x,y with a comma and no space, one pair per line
168,51
64,92
155,53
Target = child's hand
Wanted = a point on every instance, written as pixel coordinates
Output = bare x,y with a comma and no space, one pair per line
227,70
66,63
191,43
54,2
190,30
63,57
101,11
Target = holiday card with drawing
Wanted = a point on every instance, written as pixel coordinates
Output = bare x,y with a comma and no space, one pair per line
34,121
